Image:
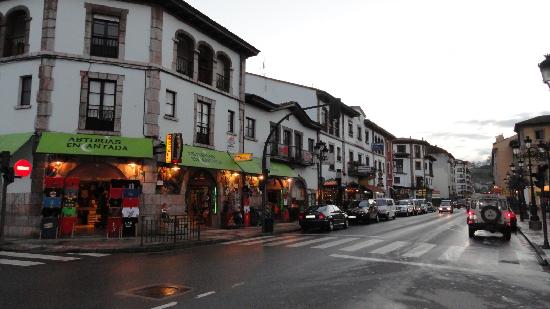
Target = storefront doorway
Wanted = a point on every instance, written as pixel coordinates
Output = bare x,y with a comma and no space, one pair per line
201,197
92,208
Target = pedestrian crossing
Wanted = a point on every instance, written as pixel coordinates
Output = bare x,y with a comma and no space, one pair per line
398,250
24,259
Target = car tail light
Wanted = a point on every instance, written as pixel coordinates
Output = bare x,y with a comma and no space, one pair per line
301,216
320,216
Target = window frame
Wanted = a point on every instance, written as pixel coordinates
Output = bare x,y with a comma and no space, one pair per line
417,165
200,126
174,95
539,134
248,129
22,91
101,106
359,133
105,37
350,129
230,121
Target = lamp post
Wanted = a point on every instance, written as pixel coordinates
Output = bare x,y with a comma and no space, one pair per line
544,148
534,222
518,180
321,151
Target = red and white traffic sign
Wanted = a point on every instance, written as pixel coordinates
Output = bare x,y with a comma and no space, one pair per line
22,168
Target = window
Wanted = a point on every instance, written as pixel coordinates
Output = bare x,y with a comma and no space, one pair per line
399,166
331,152
100,113
298,145
25,95
184,54
250,128
170,103
337,127
350,156
359,158
417,151
230,121
206,63
401,149
417,165
350,129
367,161
287,135
397,179
338,154
16,36
539,134
104,37
359,133
203,123
366,136
223,70
324,118
310,144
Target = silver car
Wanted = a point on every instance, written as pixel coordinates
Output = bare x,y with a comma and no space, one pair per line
405,208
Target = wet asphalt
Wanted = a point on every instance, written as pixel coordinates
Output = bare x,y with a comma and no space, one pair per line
425,261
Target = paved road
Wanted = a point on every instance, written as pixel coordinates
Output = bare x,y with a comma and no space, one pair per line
425,261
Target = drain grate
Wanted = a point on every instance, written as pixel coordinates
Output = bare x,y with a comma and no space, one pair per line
159,291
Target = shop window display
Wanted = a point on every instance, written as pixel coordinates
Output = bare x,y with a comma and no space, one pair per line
169,180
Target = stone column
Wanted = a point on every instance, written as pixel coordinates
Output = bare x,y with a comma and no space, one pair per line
155,40
44,95
242,97
152,104
49,20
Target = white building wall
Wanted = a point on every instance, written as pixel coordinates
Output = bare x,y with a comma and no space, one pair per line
36,10
442,175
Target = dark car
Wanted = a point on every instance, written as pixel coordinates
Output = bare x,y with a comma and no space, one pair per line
324,217
430,207
363,211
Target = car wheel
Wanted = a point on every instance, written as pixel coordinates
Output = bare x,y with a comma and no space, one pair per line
507,235
331,226
346,224
377,219
471,232
304,229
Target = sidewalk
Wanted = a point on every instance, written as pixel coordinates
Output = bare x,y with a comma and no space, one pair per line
117,245
536,240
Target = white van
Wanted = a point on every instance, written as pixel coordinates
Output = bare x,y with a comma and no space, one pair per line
386,208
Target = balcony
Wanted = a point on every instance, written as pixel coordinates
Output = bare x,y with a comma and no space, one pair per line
291,154
222,82
104,47
358,170
401,155
100,119
398,170
184,66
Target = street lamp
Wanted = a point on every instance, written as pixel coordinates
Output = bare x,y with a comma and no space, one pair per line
321,151
544,67
534,222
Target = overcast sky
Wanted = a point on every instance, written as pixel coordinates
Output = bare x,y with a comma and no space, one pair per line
454,72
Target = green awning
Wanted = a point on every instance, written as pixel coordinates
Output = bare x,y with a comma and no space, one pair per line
206,158
95,145
12,142
277,169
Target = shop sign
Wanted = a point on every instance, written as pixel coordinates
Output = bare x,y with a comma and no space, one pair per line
174,147
378,147
22,168
168,148
243,157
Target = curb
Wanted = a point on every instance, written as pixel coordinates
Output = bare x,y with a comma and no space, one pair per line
541,256
139,249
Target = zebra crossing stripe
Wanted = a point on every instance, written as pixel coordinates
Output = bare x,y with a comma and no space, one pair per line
362,245
91,254
282,242
245,240
419,250
389,248
335,243
265,240
452,254
38,256
19,263
310,242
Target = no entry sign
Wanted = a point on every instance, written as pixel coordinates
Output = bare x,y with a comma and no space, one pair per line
22,168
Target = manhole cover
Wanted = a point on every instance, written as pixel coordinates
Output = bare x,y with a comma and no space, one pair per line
159,291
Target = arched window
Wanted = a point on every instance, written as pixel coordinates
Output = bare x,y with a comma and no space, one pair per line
184,54
223,72
206,61
15,42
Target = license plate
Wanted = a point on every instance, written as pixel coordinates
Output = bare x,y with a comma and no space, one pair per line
310,217
352,217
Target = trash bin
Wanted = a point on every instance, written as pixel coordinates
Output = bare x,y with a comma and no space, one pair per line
48,228
268,225
129,227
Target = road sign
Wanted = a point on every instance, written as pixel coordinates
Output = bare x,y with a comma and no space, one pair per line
243,157
22,168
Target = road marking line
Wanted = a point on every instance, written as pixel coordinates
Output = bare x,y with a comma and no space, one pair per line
452,254
266,240
389,248
168,305
419,250
335,243
245,240
38,256
19,263
362,245
282,242
205,294
91,254
309,242
237,284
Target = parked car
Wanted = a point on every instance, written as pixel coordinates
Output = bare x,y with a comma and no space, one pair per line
430,207
460,203
491,213
420,206
404,208
363,211
446,206
386,208
324,217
